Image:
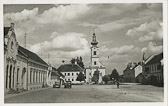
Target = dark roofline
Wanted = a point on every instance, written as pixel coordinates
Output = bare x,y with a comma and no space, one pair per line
62,66
155,59
32,56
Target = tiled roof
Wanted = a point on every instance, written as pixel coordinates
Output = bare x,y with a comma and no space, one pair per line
155,59
70,68
31,55
6,30
55,72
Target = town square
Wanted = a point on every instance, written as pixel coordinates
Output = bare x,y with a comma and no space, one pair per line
83,53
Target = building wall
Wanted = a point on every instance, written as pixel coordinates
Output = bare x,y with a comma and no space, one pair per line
90,73
138,70
10,61
129,76
19,72
154,70
37,75
71,76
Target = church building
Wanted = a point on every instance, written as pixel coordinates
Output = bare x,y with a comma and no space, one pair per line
95,64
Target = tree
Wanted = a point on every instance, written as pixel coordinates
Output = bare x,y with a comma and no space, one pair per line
80,77
95,77
106,78
72,61
114,75
79,61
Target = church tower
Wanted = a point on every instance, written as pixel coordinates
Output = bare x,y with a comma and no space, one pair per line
95,64
94,52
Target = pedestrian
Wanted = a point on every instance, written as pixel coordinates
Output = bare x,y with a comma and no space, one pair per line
118,84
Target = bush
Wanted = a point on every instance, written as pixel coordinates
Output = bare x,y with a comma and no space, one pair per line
106,78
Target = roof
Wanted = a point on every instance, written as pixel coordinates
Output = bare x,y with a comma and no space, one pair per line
56,72
26,53
70,68
155,59
6,30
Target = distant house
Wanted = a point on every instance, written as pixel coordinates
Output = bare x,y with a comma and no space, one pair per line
70,71
131,72
139,78
153,70
121,78
55,76
138,73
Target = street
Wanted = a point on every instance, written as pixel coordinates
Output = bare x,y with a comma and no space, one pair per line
91,94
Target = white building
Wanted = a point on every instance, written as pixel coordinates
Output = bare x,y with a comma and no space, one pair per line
23,69
95,63
71,72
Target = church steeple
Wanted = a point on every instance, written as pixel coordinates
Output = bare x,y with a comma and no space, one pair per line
94,42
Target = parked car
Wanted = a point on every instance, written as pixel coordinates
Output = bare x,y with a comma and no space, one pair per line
56,85
68,84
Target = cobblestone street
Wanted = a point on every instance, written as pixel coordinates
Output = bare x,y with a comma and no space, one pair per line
91,94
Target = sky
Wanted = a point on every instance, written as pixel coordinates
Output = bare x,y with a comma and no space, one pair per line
59,32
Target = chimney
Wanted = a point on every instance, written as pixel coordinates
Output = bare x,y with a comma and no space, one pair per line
12,26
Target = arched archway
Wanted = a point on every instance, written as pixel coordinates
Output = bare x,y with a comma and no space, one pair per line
13,83
7,76
10,76
23,78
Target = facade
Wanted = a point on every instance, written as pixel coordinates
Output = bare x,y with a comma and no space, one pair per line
95,64
153,70
24,70
55,76
131,73
71,72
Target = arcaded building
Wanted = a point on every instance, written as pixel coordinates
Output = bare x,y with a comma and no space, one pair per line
23,69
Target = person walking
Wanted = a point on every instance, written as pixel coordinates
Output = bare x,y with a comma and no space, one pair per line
118,84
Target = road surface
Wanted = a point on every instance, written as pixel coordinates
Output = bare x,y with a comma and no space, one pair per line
91,94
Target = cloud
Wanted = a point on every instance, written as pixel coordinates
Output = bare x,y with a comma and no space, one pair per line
24,15
147,31
152,48
62,14
72,43
54,34
123,50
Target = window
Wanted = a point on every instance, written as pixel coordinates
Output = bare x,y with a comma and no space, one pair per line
12,45
72,79
159,67
30,76
18,75
89,73
94,53
94,62
76,73
65,74
72,74
68,79
147,70
68,74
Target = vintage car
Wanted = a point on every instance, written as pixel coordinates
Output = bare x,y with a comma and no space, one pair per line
68,84
56,85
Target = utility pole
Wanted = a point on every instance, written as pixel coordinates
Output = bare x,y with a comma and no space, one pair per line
48,58
25,40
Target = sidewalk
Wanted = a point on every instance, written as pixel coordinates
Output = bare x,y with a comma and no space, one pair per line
24,92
